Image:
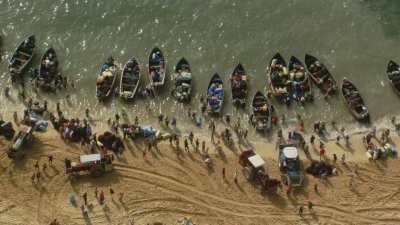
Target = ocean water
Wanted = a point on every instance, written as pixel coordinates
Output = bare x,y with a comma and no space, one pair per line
354,39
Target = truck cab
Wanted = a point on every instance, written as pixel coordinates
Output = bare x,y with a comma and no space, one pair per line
289,164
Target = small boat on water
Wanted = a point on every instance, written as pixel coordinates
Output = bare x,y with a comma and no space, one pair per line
130,79
278,79
354,101
239,85
261,117
21,58
300,89
320,75
106,80
48,78
215,95
393,73
183,81
156,68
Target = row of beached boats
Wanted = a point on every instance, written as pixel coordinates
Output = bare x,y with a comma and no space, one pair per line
286,82
47,77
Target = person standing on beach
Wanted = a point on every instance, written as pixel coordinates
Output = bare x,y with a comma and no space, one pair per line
101,197
197,144
50,160
343,158
84,196
334,158
322,153
186,144
310,206
203,146
301,209
173,122
223,173
191,137
212,127
312,139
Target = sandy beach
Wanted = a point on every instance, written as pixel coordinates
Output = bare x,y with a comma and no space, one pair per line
164,187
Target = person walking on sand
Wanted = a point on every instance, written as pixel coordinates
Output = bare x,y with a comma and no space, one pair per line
312,140
316,188
177,142
197,144
203,146
338,139
84,196
301,126
44,167
171,139
101,197
310,206
186,144
347,138
191,137
50,157
322,153
223,173
301,209
173,122
37,165
343,158
111,192
334,158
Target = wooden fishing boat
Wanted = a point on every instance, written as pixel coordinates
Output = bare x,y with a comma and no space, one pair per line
261,117
320,75
215,95
21,58
156,68
48,77
354,101
278,79
183,81
393,73
300,89
239,85
130,79
106,80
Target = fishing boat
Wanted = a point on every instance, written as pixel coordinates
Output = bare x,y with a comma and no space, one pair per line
156,68
215,95
130,79
106,80
239,85
320,75
48,78
21,58
354,101
261,117
393,73
300,85
183,81
278,79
